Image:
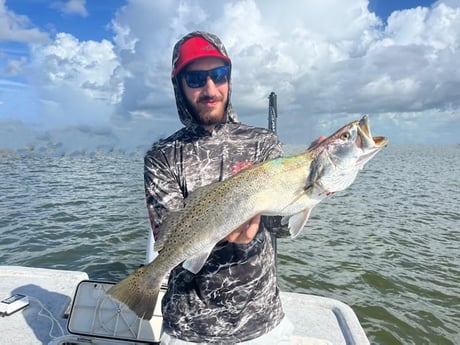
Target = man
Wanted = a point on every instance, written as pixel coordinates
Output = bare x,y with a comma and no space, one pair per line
234,298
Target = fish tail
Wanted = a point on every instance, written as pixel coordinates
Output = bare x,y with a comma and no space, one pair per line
136,294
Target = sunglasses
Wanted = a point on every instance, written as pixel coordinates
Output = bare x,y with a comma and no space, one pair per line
196,79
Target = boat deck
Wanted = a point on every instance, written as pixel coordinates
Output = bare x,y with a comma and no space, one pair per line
317,320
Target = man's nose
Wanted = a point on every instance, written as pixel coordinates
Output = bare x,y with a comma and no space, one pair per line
209,86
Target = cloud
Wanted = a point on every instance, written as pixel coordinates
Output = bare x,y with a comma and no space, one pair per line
18,28
15,67
75,80
329,62
71,7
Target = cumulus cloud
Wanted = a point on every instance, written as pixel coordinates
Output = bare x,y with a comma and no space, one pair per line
75,80
329,62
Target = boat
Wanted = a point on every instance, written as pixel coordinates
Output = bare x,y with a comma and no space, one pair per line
66,308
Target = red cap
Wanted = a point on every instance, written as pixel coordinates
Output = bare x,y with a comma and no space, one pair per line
195,48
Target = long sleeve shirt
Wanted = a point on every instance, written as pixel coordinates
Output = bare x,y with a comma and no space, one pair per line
235,296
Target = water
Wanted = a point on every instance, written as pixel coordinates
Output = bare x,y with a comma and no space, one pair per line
389,246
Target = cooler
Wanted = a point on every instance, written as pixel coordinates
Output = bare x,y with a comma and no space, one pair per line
98,319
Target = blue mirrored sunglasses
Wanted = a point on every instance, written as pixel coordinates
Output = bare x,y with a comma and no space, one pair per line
196,79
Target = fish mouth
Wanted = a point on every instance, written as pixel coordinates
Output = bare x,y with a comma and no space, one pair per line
366,136
370,145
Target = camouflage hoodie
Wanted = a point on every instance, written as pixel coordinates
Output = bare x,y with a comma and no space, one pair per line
235,296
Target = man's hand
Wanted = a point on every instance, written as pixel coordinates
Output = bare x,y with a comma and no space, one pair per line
246,232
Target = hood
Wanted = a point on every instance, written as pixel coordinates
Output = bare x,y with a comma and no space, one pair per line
184,115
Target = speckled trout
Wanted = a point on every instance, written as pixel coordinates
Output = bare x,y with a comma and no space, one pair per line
287,186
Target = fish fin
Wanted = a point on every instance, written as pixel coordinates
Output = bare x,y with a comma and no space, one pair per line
135,295
297,222
195,263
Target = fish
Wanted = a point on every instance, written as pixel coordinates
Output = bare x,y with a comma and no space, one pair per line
287,186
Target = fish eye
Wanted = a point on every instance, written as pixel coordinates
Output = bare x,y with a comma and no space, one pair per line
345,136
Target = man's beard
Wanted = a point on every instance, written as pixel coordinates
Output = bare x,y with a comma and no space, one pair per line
205,118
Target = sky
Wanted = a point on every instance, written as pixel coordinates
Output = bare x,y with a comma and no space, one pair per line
95,74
